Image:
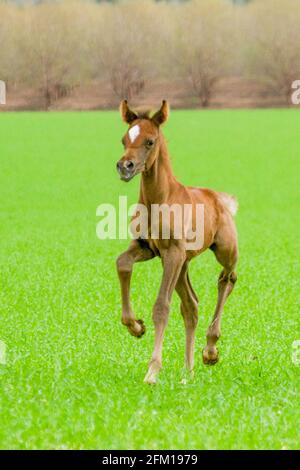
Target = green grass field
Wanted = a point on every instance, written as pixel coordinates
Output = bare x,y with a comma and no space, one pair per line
74,376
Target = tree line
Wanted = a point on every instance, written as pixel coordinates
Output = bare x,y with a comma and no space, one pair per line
54,46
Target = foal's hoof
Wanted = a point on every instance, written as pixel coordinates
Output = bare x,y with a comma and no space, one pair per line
210,356
187,377
154,368
138,329
150,380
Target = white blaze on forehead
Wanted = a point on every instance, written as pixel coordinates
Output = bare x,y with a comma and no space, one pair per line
134,132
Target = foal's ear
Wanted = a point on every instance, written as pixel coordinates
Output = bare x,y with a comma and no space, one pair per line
126,113
162,115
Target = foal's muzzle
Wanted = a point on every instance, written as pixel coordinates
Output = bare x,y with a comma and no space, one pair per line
126,169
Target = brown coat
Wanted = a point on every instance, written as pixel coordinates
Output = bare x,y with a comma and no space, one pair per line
146,153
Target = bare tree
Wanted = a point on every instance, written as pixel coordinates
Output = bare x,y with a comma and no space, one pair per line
9,57
203,48
274,35
127,79
120,43
49,45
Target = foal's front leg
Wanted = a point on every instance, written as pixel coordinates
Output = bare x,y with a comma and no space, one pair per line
137,251
173,259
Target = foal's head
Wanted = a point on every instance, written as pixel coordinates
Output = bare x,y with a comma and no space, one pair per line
141,141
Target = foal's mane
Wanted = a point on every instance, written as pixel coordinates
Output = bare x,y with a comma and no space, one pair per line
143,114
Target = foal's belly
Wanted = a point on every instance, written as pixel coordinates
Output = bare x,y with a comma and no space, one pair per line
206,239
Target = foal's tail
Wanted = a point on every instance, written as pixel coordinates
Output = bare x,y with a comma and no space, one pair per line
230,202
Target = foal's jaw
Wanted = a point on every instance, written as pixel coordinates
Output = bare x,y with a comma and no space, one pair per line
126,178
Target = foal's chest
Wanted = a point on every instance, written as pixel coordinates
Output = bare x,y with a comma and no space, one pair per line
158,244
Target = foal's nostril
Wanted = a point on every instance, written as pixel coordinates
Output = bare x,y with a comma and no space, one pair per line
129,165
125,167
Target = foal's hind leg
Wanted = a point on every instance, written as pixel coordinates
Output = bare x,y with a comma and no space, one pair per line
189,311
226,252
137,251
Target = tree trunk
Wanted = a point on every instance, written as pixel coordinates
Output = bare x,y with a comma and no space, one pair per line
47,99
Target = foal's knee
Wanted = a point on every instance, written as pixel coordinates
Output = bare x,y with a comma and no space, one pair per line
227,277
124,263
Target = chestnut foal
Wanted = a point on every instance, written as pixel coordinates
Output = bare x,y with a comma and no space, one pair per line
146,153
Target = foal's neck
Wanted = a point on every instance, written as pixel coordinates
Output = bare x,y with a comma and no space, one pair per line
158,182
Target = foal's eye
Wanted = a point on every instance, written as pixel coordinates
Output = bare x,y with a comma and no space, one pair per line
149,142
